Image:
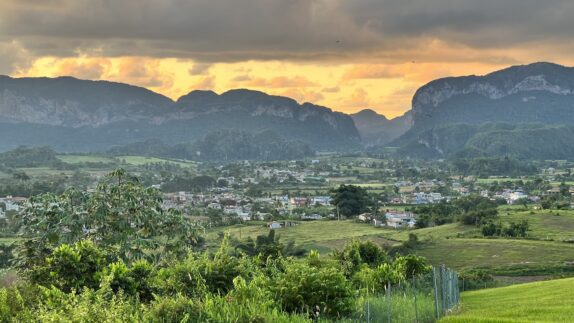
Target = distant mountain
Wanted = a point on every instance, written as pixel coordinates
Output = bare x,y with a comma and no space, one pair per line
78,115
256,111
535,93
69,102
463,115
376,130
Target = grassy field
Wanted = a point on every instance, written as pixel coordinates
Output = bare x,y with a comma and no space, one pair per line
548,301
454,245
77,159
4,241
131,160
558,225
467,253
44,171
140,160
319,235
492,180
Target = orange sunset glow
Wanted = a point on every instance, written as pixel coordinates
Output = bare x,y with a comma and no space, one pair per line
339,54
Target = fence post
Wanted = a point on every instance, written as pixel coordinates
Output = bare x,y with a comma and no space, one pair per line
415,294
435,293
368,312
390,301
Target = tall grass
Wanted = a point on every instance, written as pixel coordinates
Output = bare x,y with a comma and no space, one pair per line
400,305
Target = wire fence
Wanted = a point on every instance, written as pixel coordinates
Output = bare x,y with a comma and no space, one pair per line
421,299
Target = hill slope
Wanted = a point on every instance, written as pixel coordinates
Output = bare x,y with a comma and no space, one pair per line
524,111
548,301
523,141
77,115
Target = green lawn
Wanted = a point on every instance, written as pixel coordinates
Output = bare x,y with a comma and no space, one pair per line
548,301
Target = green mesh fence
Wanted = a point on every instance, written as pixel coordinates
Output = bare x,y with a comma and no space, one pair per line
422,299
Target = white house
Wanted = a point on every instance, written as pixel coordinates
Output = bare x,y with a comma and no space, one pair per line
12,203
274,225
311,217
400,219
365,217
321,200
515,196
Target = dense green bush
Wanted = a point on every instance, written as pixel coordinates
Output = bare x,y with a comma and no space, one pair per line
176,308
357,253
71,267
316,291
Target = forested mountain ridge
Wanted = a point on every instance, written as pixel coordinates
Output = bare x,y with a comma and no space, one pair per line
523,141
222,145
78,115
523,111
535,93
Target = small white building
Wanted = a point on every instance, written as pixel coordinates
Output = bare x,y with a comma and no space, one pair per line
400,219
311,217
321,200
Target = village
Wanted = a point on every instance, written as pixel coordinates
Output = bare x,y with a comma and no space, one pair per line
280,193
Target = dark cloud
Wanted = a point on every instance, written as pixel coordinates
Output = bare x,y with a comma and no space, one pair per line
235,30
13,57
199,69
481,23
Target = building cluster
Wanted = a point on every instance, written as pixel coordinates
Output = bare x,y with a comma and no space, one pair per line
245,208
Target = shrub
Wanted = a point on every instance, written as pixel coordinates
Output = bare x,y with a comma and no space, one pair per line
196,276
357,253
172,309
72,267
322,291
412,266
11,304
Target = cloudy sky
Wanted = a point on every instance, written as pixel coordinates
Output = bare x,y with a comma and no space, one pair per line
344,54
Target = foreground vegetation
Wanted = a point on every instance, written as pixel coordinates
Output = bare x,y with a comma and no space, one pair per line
548,301
114,255
488,241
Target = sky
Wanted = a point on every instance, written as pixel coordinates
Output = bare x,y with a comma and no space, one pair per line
347,55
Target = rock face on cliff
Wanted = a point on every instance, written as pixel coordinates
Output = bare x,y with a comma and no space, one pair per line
77,115
253,110
523,111
536,93
69,102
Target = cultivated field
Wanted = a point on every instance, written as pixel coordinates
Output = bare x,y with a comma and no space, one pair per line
455,245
